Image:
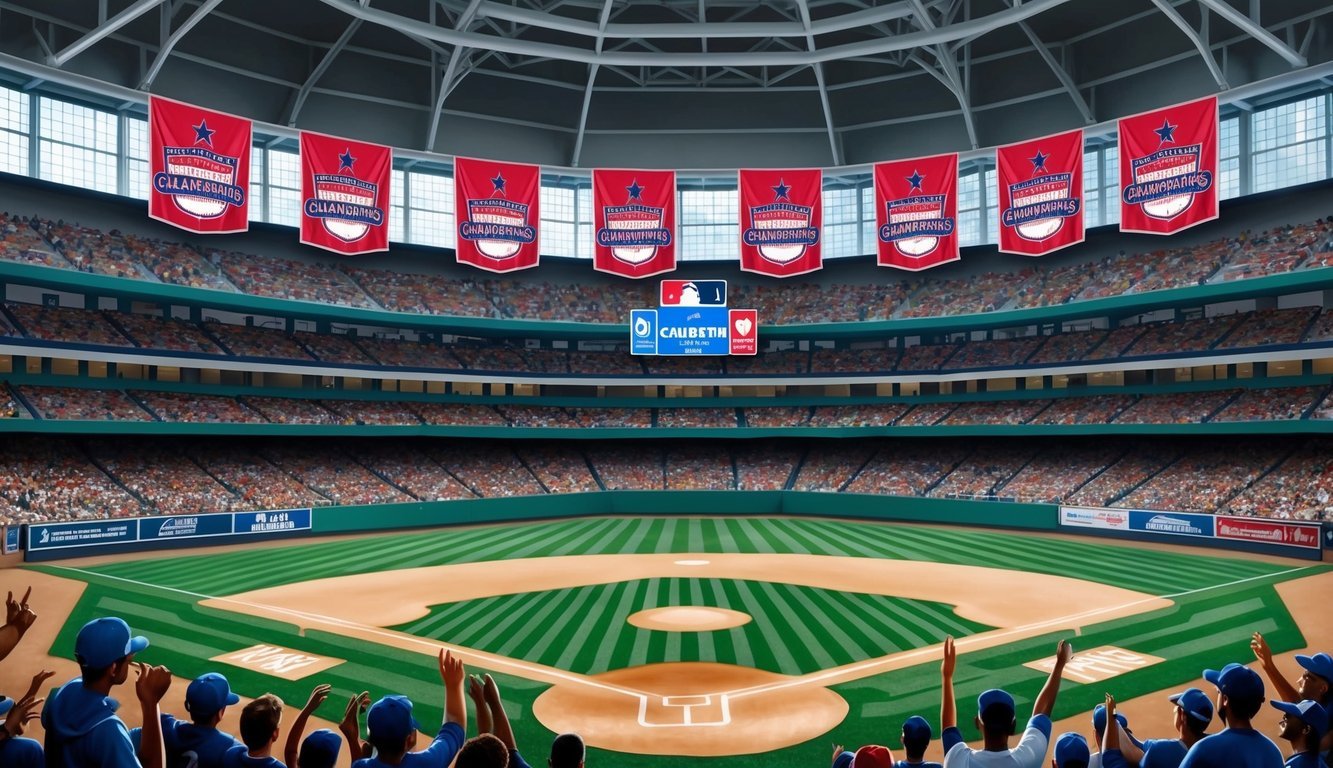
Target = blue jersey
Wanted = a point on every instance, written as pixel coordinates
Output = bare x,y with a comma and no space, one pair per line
1306,760
238,757
923,764
1234,748
189,745
438,755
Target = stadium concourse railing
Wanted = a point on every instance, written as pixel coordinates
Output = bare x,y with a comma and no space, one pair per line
1115,306
45,542
162,428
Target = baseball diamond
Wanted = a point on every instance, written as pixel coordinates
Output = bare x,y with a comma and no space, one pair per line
841,615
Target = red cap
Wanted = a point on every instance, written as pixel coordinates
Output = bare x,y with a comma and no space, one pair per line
873,756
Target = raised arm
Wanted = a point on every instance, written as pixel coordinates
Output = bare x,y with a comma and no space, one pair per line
18,618
948,708
1046,699
350,726
1285,691
292,747
501,730
452,675
477,692
151,686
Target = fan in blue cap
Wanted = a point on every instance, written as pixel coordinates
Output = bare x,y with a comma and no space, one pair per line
206,699
996,719
393,729
1303,724
1314,684
80,718
916,737
1193,713
1240,696
1071,751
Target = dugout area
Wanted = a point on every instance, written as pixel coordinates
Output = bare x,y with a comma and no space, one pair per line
841,641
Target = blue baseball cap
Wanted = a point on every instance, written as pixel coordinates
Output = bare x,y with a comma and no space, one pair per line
103,642
844,759
319,750
6,704
1069,747
1308,712
1195,703
390,719
1099,718
994,696
916,729
208,694
1319,664
1236,680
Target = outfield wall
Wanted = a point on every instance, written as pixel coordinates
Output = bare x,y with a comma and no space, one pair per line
52,541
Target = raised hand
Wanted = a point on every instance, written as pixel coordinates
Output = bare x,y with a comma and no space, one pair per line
25,710
1261,650
352,713
950,658
451,669
17,612
475,690
152,683
491,691
317,697
37,680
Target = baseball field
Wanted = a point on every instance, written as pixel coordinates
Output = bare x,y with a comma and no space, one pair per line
748,641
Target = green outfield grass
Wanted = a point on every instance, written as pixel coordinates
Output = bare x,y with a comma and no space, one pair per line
1220,600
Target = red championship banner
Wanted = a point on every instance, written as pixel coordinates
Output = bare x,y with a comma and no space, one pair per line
1168,168
200,164
916,212
780,221
496,207
634,213
1040,194
344,194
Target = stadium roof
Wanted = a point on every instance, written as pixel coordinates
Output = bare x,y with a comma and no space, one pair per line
688,83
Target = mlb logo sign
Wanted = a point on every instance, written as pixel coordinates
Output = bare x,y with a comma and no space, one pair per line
693,293
743,326
643,332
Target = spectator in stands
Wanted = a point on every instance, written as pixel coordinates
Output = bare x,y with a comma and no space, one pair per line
916,737
1315,682
869,756
350,726
82,729
1240,695
567,751
1303,725
260,720
1071,751
198,744
18,619
321,748
16,751
493,727
995,719
393,730
1193,713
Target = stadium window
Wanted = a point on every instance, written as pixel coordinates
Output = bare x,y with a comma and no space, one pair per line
708,224
583,214
78,145
257,185
1229,157
1092,192
842,219
1111,184
284,187
557,233
1290,144
397,211
430,203
969,208
869,243
14,131
992,203
136,158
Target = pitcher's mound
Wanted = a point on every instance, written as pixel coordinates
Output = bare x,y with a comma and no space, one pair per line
691,708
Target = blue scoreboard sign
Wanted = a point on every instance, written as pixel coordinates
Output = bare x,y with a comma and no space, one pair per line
693,331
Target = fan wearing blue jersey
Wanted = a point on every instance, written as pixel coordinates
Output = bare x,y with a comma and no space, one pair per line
1240,695
1303,724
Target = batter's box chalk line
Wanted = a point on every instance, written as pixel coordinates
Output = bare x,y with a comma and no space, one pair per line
679,711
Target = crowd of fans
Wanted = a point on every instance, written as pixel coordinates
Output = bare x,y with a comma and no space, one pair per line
1244,330
1247,254
59,478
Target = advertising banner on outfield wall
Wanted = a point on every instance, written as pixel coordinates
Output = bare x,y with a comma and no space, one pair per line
1171,523
1095,517
1292,534
12,539
165,528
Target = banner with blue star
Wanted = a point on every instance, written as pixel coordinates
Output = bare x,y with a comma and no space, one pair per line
199,167
345,194
496,207
1168,168
781,221
1039,189
916,212
634,222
